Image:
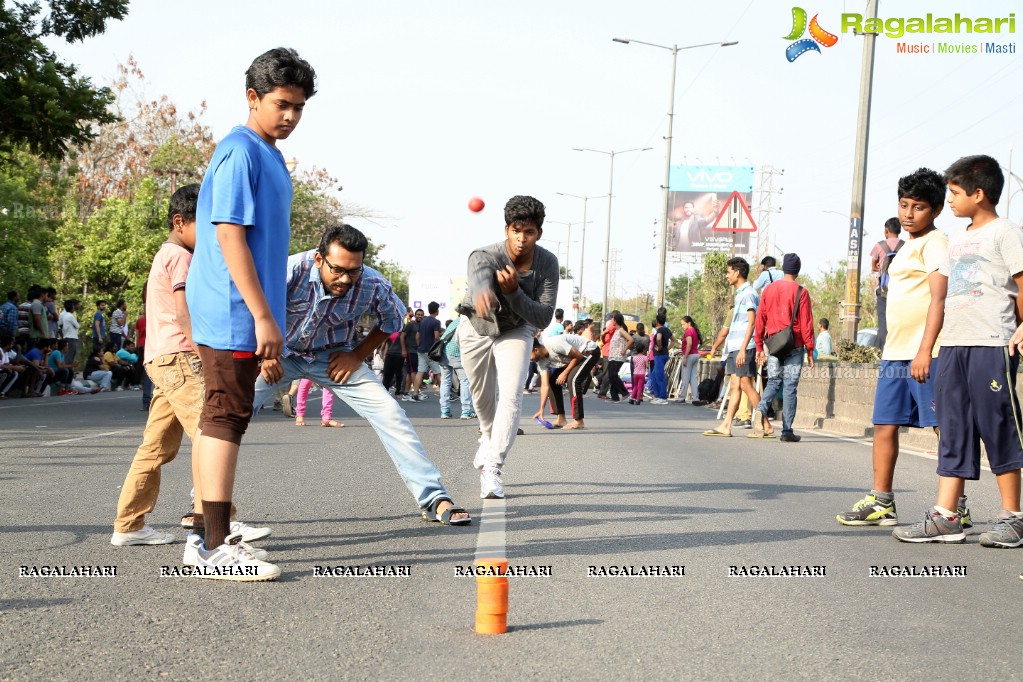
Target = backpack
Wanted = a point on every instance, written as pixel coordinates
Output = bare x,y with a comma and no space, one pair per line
886,260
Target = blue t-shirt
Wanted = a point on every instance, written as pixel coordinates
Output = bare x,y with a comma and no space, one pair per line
246,184
98,317
427,327
745,300
53,362
34,355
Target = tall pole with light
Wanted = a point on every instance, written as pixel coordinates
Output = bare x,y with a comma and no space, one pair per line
582,242
663,251
607,242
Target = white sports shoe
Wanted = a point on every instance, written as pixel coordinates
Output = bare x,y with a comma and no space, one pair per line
249,533
490,484
193,543
233,560
146,536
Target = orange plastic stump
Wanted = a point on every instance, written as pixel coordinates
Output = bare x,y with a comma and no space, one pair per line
492,598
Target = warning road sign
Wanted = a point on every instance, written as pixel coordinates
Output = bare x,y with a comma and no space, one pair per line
735,217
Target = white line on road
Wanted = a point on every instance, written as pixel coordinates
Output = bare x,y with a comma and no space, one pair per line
490,543
95,435
870,443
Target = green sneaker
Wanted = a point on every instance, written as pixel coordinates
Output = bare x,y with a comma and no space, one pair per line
869,512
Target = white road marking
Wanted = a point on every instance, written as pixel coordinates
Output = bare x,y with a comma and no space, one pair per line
491,541
861,441
95,435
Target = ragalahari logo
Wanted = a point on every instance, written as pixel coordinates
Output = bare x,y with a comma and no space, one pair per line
817,35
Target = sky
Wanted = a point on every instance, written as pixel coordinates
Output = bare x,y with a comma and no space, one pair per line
422,106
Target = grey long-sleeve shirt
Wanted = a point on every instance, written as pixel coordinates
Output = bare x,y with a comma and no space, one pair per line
532,303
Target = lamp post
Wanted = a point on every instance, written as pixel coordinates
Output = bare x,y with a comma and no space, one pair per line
674,49
582,242
607,242
568,240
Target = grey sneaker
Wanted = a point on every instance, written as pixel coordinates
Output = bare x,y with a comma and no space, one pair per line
1007,532
286,406
934,528
963,512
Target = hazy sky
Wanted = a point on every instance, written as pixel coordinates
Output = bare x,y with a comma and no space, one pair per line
422,106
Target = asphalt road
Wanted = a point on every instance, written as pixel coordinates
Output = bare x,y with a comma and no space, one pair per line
639,487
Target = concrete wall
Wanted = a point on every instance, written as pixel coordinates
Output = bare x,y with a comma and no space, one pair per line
839,397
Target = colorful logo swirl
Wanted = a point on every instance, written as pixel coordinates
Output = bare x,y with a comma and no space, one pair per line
818,36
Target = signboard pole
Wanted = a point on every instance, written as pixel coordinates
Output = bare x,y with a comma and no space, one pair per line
855,237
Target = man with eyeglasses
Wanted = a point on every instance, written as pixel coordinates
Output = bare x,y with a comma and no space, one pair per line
329,291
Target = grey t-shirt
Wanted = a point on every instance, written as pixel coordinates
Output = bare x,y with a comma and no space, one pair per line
531,304
980,308
560,349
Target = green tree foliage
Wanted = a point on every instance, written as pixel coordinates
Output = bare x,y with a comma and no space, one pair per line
392,271
109,254
46,105
715,294
30,199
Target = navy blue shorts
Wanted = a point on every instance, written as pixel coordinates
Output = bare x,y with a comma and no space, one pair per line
975,392
901,400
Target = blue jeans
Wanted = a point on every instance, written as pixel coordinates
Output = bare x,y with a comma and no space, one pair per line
785,373
449,372
658,382
364,393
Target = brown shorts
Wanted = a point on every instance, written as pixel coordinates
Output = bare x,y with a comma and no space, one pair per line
230,390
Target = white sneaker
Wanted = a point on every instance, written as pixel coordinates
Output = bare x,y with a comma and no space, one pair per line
146,536
490,484
286,406
658,401
193,543
233,560
249,533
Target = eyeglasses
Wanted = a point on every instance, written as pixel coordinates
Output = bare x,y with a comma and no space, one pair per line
353,274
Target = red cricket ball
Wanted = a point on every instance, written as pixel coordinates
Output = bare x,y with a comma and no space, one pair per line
476,204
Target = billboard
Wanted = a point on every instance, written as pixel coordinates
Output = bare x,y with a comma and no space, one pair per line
698,195
448,291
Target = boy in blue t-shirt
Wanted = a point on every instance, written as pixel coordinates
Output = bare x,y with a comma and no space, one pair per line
236,291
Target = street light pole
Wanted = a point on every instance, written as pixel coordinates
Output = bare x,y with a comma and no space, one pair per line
663,251
582,242
607,239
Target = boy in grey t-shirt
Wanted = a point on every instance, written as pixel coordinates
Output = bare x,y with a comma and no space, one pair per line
513,286
975,391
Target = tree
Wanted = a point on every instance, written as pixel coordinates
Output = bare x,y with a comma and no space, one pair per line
148,137
715,294
108,256
44,104
31,192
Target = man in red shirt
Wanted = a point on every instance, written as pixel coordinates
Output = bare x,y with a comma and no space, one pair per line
774,315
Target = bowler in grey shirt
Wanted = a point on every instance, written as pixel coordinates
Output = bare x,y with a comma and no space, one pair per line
513,286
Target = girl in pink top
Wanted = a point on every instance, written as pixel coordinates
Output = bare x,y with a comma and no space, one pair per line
639,364
690,360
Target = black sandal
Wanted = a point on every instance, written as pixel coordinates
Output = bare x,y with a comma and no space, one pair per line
445,518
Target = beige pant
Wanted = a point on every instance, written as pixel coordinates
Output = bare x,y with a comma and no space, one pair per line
178,391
